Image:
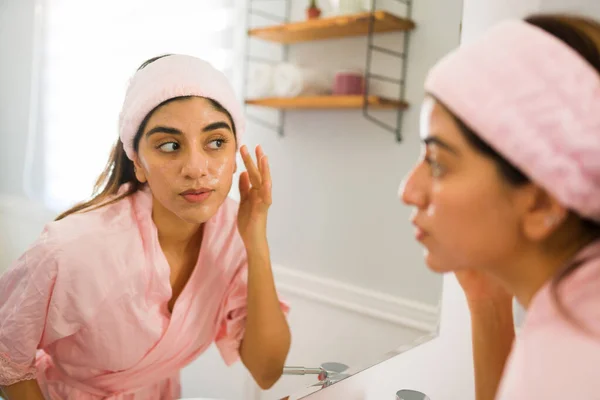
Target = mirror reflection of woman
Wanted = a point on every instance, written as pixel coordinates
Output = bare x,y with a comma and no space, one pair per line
507,196
123,291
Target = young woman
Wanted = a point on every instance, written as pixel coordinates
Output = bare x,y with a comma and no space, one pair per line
507,196
124,290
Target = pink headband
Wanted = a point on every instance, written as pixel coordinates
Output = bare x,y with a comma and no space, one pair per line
535,101
169,77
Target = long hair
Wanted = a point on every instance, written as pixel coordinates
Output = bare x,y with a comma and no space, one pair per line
119,169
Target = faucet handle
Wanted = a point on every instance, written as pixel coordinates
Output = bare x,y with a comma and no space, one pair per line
407,394
302,371
322,373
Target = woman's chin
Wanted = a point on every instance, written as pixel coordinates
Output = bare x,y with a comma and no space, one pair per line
435,264
196,217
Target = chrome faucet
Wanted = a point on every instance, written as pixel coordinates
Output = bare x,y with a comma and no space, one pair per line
328,373
321,372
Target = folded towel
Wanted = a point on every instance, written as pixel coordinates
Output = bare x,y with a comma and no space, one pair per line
290,80
260,80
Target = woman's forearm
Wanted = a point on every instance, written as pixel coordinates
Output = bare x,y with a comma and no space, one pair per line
267,336
493,335
25,390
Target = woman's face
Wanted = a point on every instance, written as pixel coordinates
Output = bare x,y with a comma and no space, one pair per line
187,156
466,215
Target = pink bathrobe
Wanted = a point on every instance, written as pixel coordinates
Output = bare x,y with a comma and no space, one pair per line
553,358
91,295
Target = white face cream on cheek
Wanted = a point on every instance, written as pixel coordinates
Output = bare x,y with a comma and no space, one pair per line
431,209
219,171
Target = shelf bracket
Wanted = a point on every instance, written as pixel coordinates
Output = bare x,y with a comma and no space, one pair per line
401,81
279,127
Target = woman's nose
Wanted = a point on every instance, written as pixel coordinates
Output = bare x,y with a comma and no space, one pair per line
195,164
412,190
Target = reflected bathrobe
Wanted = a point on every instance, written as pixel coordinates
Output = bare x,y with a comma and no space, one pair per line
85,309
554,357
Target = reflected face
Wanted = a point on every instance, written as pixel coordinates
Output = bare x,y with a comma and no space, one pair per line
187,156
464,210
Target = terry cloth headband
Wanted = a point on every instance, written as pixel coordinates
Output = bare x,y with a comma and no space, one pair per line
169,77
536,101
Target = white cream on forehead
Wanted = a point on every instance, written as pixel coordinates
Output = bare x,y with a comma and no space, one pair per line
425,116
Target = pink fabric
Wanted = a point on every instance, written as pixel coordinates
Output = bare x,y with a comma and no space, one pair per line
552,358
174,76
535,101
92,294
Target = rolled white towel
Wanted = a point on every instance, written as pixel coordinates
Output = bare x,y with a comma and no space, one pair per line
260,81
290,80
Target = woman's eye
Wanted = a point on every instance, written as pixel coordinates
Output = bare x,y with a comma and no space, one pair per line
169,147
435,168
216,144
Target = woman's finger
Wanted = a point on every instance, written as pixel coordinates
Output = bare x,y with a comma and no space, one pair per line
266,180
253,172
259,154
244,185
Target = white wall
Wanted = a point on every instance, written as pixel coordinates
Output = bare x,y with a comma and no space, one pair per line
16,53
442,368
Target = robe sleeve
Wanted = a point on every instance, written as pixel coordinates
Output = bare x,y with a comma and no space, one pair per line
233,316
32,315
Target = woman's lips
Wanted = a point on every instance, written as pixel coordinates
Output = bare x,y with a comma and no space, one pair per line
420,234
197,195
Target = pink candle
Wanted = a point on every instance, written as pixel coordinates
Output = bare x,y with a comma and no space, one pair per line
348,82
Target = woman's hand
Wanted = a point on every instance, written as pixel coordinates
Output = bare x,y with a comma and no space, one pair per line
479,286
266,341
255,198
492,329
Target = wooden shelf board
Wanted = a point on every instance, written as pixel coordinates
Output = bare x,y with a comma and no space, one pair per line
327,102
332,27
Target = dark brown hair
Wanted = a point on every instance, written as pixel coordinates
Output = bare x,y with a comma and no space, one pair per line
119,169
582,35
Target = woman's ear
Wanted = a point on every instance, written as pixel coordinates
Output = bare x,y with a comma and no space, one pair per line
140,174
543,215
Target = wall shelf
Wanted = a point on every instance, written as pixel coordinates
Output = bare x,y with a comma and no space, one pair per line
286,33
328,102
333,27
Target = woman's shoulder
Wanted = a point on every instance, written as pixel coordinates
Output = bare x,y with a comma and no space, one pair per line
81,226
90,251
96,234
554,360
571,302
559,345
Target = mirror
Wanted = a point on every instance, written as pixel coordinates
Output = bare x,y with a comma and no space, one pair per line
343,251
